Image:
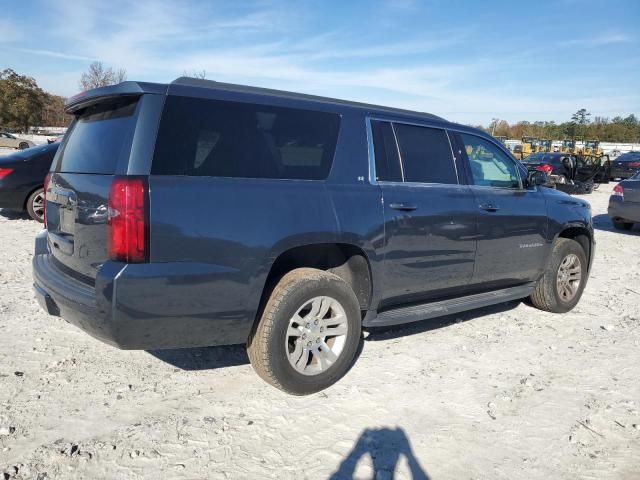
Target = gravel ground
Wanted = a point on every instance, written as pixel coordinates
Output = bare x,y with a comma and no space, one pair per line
498,393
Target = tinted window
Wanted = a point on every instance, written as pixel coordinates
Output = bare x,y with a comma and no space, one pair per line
98,138
229,139
490,166
386,152
426,154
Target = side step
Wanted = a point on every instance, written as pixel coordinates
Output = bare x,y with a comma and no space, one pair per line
446,307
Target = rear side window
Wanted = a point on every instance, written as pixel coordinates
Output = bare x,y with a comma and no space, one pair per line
426,154
385,152
231,139
98,138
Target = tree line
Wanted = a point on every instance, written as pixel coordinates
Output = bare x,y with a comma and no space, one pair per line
24,104
617,129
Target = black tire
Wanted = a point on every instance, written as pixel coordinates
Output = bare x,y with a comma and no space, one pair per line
269,342
33,209
622,225
23,145
546,295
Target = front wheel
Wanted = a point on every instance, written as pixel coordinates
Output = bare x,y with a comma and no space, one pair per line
23,145
308,334
622,225
35,205
564,279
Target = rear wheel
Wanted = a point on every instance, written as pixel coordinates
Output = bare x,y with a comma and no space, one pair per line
35,205
308,334
622,225
563,281
23,145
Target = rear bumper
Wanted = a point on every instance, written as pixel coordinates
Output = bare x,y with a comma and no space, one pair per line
629,211
143,306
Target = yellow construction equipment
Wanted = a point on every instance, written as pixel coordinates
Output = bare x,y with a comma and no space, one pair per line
525,148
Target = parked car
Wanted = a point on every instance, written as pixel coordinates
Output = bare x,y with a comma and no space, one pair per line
9,140
22,178
625,166
201,213
55,139
568,172
624,203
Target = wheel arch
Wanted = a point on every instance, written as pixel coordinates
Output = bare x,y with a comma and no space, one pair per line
345,260
582,235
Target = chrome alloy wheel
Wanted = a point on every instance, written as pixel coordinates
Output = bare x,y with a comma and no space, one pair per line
316,335
37,205
569,277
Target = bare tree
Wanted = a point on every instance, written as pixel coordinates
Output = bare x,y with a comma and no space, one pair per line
201,74
99,76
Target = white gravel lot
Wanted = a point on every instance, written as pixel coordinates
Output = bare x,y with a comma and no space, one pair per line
499,393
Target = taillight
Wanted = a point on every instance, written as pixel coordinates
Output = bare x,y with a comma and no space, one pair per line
127,220
618,191
634,164
4,172
546,168
44,198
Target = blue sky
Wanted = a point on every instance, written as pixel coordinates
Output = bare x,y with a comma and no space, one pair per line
467,61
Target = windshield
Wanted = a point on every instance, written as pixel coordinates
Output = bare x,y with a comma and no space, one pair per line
98,138
534,158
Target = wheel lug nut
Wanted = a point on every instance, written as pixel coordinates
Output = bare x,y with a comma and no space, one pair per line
322,329
307,325
316,322
304,335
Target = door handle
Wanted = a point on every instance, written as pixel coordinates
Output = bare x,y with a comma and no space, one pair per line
407,207
489,207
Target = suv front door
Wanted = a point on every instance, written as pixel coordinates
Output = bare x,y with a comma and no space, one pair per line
512,218
430,219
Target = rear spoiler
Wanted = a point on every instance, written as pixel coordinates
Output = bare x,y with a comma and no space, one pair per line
124,89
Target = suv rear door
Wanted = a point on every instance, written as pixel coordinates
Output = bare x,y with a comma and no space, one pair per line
512,221
97,147
430,220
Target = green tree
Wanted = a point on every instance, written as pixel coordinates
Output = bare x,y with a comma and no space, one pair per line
21,100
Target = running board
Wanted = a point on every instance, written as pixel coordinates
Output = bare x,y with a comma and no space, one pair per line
446,307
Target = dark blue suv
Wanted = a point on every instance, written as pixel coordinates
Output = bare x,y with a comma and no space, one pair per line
200,213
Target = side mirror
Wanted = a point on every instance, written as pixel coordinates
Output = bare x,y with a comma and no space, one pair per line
537,178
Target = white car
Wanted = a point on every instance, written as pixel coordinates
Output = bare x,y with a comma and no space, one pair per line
8,140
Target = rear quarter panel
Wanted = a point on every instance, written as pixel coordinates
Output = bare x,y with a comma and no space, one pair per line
233,229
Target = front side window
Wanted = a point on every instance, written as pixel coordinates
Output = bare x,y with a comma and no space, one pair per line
425,154
490,166
214,138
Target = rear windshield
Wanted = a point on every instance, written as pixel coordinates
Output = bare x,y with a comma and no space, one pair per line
98,138
216,138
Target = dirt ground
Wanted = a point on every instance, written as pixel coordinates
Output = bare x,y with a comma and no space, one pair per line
498,393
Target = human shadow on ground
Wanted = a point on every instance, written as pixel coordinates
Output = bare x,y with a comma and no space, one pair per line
603,222
385,446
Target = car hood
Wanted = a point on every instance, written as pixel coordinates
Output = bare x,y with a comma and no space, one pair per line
562,197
